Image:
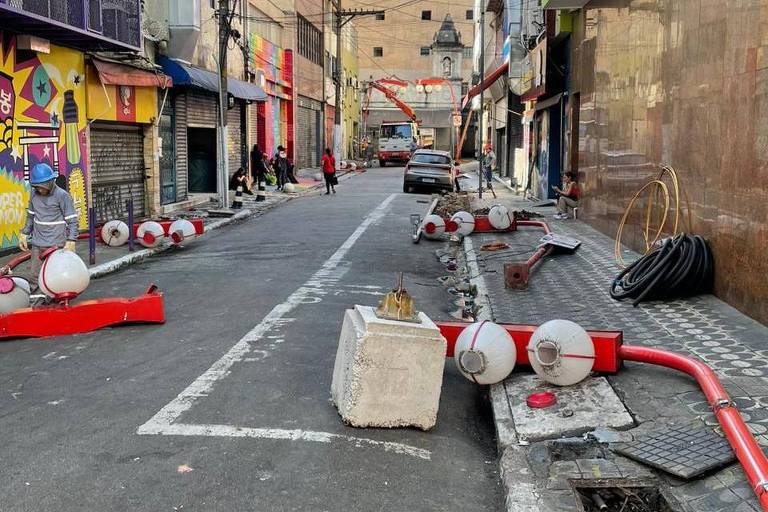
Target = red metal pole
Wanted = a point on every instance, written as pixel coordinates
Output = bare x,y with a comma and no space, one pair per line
15,262
749,453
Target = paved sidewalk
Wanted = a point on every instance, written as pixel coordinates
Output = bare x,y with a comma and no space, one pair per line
575,287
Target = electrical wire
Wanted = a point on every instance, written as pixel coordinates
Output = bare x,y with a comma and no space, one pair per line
657,189
681,267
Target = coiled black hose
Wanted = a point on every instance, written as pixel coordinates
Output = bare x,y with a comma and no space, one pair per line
681,267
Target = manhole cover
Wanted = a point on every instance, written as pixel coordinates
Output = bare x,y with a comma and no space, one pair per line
682,451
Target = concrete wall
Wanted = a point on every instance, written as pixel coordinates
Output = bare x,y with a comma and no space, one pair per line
686,84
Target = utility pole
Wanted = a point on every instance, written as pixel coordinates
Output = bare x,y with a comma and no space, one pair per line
482,97
340,22
222,169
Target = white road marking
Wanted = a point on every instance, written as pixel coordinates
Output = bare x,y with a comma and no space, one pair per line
329,274
185,429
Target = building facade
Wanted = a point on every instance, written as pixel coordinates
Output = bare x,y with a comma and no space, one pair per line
310,88
43,98
434,89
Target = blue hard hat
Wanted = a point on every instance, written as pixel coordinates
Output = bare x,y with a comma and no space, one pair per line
41,173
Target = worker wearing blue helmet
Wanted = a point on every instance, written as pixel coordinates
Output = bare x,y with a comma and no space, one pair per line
51,217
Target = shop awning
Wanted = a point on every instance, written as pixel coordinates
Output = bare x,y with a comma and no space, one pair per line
111,73
549,102
184,74
486,83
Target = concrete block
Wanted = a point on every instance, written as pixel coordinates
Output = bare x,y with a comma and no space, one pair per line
581,408
388,373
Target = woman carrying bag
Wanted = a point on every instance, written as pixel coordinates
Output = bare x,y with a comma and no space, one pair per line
329,172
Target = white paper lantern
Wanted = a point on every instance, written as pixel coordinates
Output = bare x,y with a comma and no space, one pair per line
289,188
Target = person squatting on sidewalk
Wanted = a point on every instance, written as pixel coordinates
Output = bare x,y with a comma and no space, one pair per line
52,220
569,198
329,171
238,180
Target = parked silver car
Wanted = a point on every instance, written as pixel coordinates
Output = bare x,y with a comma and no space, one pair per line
431,169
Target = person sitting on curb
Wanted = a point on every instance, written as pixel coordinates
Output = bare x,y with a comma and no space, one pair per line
569,197
52,220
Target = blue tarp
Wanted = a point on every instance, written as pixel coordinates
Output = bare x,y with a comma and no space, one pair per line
184,74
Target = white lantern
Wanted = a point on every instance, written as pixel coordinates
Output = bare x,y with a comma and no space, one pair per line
485,353
561,352
63,275
419,88
150,233
465,221
288,187
499,217
438,87
180,230
14,294
433,226
114,233
318,176
428,88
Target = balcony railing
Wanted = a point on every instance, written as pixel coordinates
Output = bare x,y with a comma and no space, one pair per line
86,24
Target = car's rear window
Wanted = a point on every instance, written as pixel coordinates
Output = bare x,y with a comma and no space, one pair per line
426,158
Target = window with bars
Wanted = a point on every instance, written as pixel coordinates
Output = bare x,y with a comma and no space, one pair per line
425,50
378,51
470,14
310,40
380,16
426,15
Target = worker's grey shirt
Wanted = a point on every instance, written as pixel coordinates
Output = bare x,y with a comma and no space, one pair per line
51,219
489,161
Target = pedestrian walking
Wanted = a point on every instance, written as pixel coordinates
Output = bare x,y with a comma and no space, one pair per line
489,165
238,183
51,218
259,172
280,164
329,171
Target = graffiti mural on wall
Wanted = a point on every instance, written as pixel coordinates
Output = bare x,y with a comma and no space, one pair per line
272,63
42,99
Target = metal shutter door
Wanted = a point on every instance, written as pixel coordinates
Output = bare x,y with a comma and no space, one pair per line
201,109
117,170
181,147
234,131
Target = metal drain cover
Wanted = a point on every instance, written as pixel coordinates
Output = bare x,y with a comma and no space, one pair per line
683,451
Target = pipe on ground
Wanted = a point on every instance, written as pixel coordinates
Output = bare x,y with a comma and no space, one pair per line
747,451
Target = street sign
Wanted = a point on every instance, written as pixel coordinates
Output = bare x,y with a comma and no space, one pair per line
456,120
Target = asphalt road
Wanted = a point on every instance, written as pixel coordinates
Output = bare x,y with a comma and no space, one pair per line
226,406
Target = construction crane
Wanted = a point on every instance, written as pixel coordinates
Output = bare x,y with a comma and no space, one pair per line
381,85
386,85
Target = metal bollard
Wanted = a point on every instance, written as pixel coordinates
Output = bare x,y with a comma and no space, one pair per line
91,236
131,236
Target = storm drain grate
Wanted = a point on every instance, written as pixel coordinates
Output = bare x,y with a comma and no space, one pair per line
682,451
